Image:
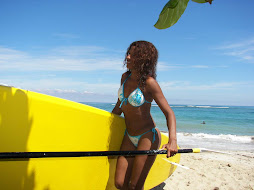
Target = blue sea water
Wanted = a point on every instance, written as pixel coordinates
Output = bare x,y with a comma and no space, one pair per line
225,128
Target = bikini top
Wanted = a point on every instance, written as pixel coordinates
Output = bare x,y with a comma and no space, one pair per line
136,98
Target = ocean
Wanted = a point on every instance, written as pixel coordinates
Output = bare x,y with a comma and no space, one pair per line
212,127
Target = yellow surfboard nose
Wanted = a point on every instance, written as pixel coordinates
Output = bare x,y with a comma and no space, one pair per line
33,122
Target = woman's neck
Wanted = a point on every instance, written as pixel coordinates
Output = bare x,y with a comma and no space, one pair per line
135,76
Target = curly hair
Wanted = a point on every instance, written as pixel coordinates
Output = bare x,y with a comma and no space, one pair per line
144,58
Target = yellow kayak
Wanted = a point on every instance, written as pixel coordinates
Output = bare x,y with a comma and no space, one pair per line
33,122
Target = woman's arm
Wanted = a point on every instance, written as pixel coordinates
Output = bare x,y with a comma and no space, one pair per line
153,87
117,110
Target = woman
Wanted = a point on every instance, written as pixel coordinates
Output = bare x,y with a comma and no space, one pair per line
138,89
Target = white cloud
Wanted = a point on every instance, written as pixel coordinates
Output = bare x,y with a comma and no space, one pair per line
79,91
61,85
244,43
200,66
243,50
82,51
188,86
78,96
74,58
7,54
66,36
163,66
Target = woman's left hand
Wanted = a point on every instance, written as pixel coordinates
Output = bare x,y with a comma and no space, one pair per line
171,147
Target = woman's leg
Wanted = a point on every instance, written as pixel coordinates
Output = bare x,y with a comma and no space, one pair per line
143,163
124,165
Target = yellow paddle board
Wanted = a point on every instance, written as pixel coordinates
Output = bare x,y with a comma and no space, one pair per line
33,122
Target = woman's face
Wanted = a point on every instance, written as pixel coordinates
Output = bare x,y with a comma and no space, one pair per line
128,58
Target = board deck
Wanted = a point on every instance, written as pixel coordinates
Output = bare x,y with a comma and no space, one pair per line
33,122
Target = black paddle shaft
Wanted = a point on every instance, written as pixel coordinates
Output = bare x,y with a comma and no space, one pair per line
8,155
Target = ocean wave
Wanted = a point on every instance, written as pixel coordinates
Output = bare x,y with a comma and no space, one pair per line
206,107
221,107
203,106
232,138
191,106
211,107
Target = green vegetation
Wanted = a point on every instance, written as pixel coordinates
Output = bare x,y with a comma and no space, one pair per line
172,11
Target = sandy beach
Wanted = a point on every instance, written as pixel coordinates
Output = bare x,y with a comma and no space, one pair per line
213,171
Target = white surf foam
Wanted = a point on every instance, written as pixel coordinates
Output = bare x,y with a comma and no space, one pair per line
232,138
203,106
221,107
217,142
208,107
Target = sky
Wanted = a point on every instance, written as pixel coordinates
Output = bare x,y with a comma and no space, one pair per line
75,49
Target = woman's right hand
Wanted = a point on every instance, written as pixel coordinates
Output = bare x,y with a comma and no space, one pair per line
171,147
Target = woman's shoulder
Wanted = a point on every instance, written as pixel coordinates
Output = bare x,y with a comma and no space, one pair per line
125,75
151,83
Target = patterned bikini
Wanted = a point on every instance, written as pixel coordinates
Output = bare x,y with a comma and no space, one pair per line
136,99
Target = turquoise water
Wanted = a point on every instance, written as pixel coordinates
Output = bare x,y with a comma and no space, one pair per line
226,127
218,119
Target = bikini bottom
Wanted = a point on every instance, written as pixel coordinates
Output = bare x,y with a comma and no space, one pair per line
135,139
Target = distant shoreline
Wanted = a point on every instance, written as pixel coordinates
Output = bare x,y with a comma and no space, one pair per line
153,104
